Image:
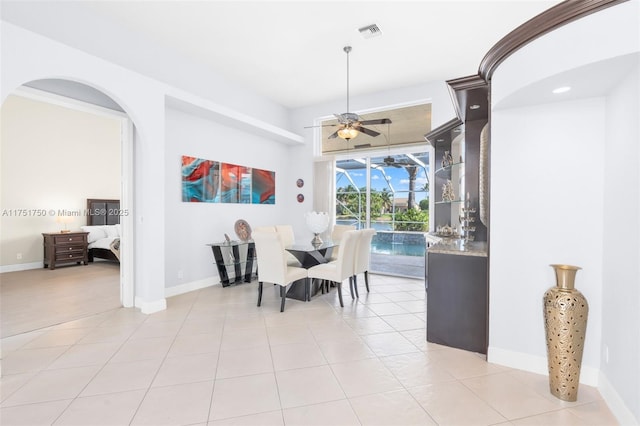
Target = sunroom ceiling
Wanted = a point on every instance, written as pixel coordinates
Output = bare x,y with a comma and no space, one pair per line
419,159
408,126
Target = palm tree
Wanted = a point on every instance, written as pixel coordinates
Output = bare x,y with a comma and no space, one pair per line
413,174
387,199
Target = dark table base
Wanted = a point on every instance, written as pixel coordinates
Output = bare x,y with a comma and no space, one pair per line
296,290
308,257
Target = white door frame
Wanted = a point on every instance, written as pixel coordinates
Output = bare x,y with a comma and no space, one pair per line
127,286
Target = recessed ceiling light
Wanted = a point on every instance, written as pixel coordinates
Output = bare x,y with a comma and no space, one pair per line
562,89
474,106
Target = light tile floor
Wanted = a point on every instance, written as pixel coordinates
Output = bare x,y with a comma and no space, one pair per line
214,358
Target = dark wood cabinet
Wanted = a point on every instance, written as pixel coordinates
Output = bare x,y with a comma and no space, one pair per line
457,301
70,247
457,269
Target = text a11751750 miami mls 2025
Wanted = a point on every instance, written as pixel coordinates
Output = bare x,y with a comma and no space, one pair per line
29,212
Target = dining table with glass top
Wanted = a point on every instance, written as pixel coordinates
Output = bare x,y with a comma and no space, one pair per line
308,255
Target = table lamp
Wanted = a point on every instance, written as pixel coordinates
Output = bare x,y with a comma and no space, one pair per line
64,220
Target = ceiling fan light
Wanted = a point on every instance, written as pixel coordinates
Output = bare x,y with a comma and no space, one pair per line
348,133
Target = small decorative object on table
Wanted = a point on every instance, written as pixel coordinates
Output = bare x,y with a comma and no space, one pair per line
467,220
565,324
447,159
447,192
318,222
243,230
445,231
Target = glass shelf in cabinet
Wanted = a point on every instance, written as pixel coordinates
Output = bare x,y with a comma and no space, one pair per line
448,168
450,202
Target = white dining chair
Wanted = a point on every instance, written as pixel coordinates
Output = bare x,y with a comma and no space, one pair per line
269,228
340,269
362,259
272,265
288,238
286,232
336,235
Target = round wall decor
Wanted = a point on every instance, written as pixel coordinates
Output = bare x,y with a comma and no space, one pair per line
243,230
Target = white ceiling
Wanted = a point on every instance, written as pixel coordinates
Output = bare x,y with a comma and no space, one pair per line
289,51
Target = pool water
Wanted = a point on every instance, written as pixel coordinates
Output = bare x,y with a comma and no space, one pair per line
402,249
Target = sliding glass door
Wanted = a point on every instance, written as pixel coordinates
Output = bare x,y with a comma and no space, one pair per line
388,193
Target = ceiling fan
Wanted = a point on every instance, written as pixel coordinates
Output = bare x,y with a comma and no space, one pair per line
350,124
389,160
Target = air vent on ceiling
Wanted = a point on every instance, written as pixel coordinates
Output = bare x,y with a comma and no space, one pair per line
370,31
364,145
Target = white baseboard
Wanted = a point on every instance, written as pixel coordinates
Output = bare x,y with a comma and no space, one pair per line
588,375
616,403
21,267
536,364
190,286
161,305
151,307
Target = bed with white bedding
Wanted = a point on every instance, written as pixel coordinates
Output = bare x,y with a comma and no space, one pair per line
104,241
103,226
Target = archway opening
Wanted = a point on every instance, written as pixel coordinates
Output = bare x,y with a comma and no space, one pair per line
63,142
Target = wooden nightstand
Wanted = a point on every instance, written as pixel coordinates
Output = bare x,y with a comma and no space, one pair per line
65,248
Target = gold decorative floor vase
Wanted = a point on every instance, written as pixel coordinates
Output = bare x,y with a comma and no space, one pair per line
565,324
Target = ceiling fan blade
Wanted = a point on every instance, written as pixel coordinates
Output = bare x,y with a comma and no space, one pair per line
378,121
366,131
333,135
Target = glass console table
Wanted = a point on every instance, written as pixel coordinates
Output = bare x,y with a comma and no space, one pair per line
235,260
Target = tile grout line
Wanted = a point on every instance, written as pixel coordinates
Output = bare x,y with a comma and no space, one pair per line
213,389
45,368
97,372
333,373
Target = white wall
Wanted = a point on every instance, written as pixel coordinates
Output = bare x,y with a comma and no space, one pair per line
27,56
565,189
621,266
190,226
53,158
199,224
546,207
